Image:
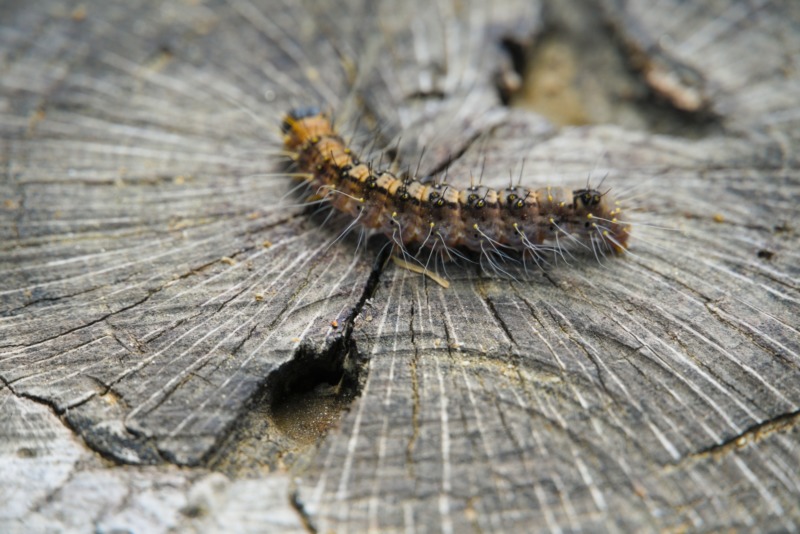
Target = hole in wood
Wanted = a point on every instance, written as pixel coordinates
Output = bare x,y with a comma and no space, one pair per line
294,409
310,391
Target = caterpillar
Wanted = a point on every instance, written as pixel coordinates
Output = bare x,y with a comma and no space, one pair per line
437,216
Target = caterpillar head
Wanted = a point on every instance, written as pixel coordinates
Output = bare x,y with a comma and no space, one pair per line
305,125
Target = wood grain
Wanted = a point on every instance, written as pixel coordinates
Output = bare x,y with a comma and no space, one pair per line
184,347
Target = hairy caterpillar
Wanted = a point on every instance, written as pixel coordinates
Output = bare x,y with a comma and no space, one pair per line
440,217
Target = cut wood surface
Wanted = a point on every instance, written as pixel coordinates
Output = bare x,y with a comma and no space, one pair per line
185,346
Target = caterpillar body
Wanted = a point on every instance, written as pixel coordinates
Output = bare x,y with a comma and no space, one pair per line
439,216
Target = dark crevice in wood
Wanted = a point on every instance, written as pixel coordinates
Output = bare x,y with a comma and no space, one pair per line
426,95
299,401
49,300
86,325
309,377
443,167
415,399
108,444
305,519
508,79
497,317
332,373
754,433
91,437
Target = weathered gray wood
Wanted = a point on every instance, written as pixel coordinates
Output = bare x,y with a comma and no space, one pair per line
178,340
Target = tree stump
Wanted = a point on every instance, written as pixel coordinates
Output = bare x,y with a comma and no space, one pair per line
185,346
